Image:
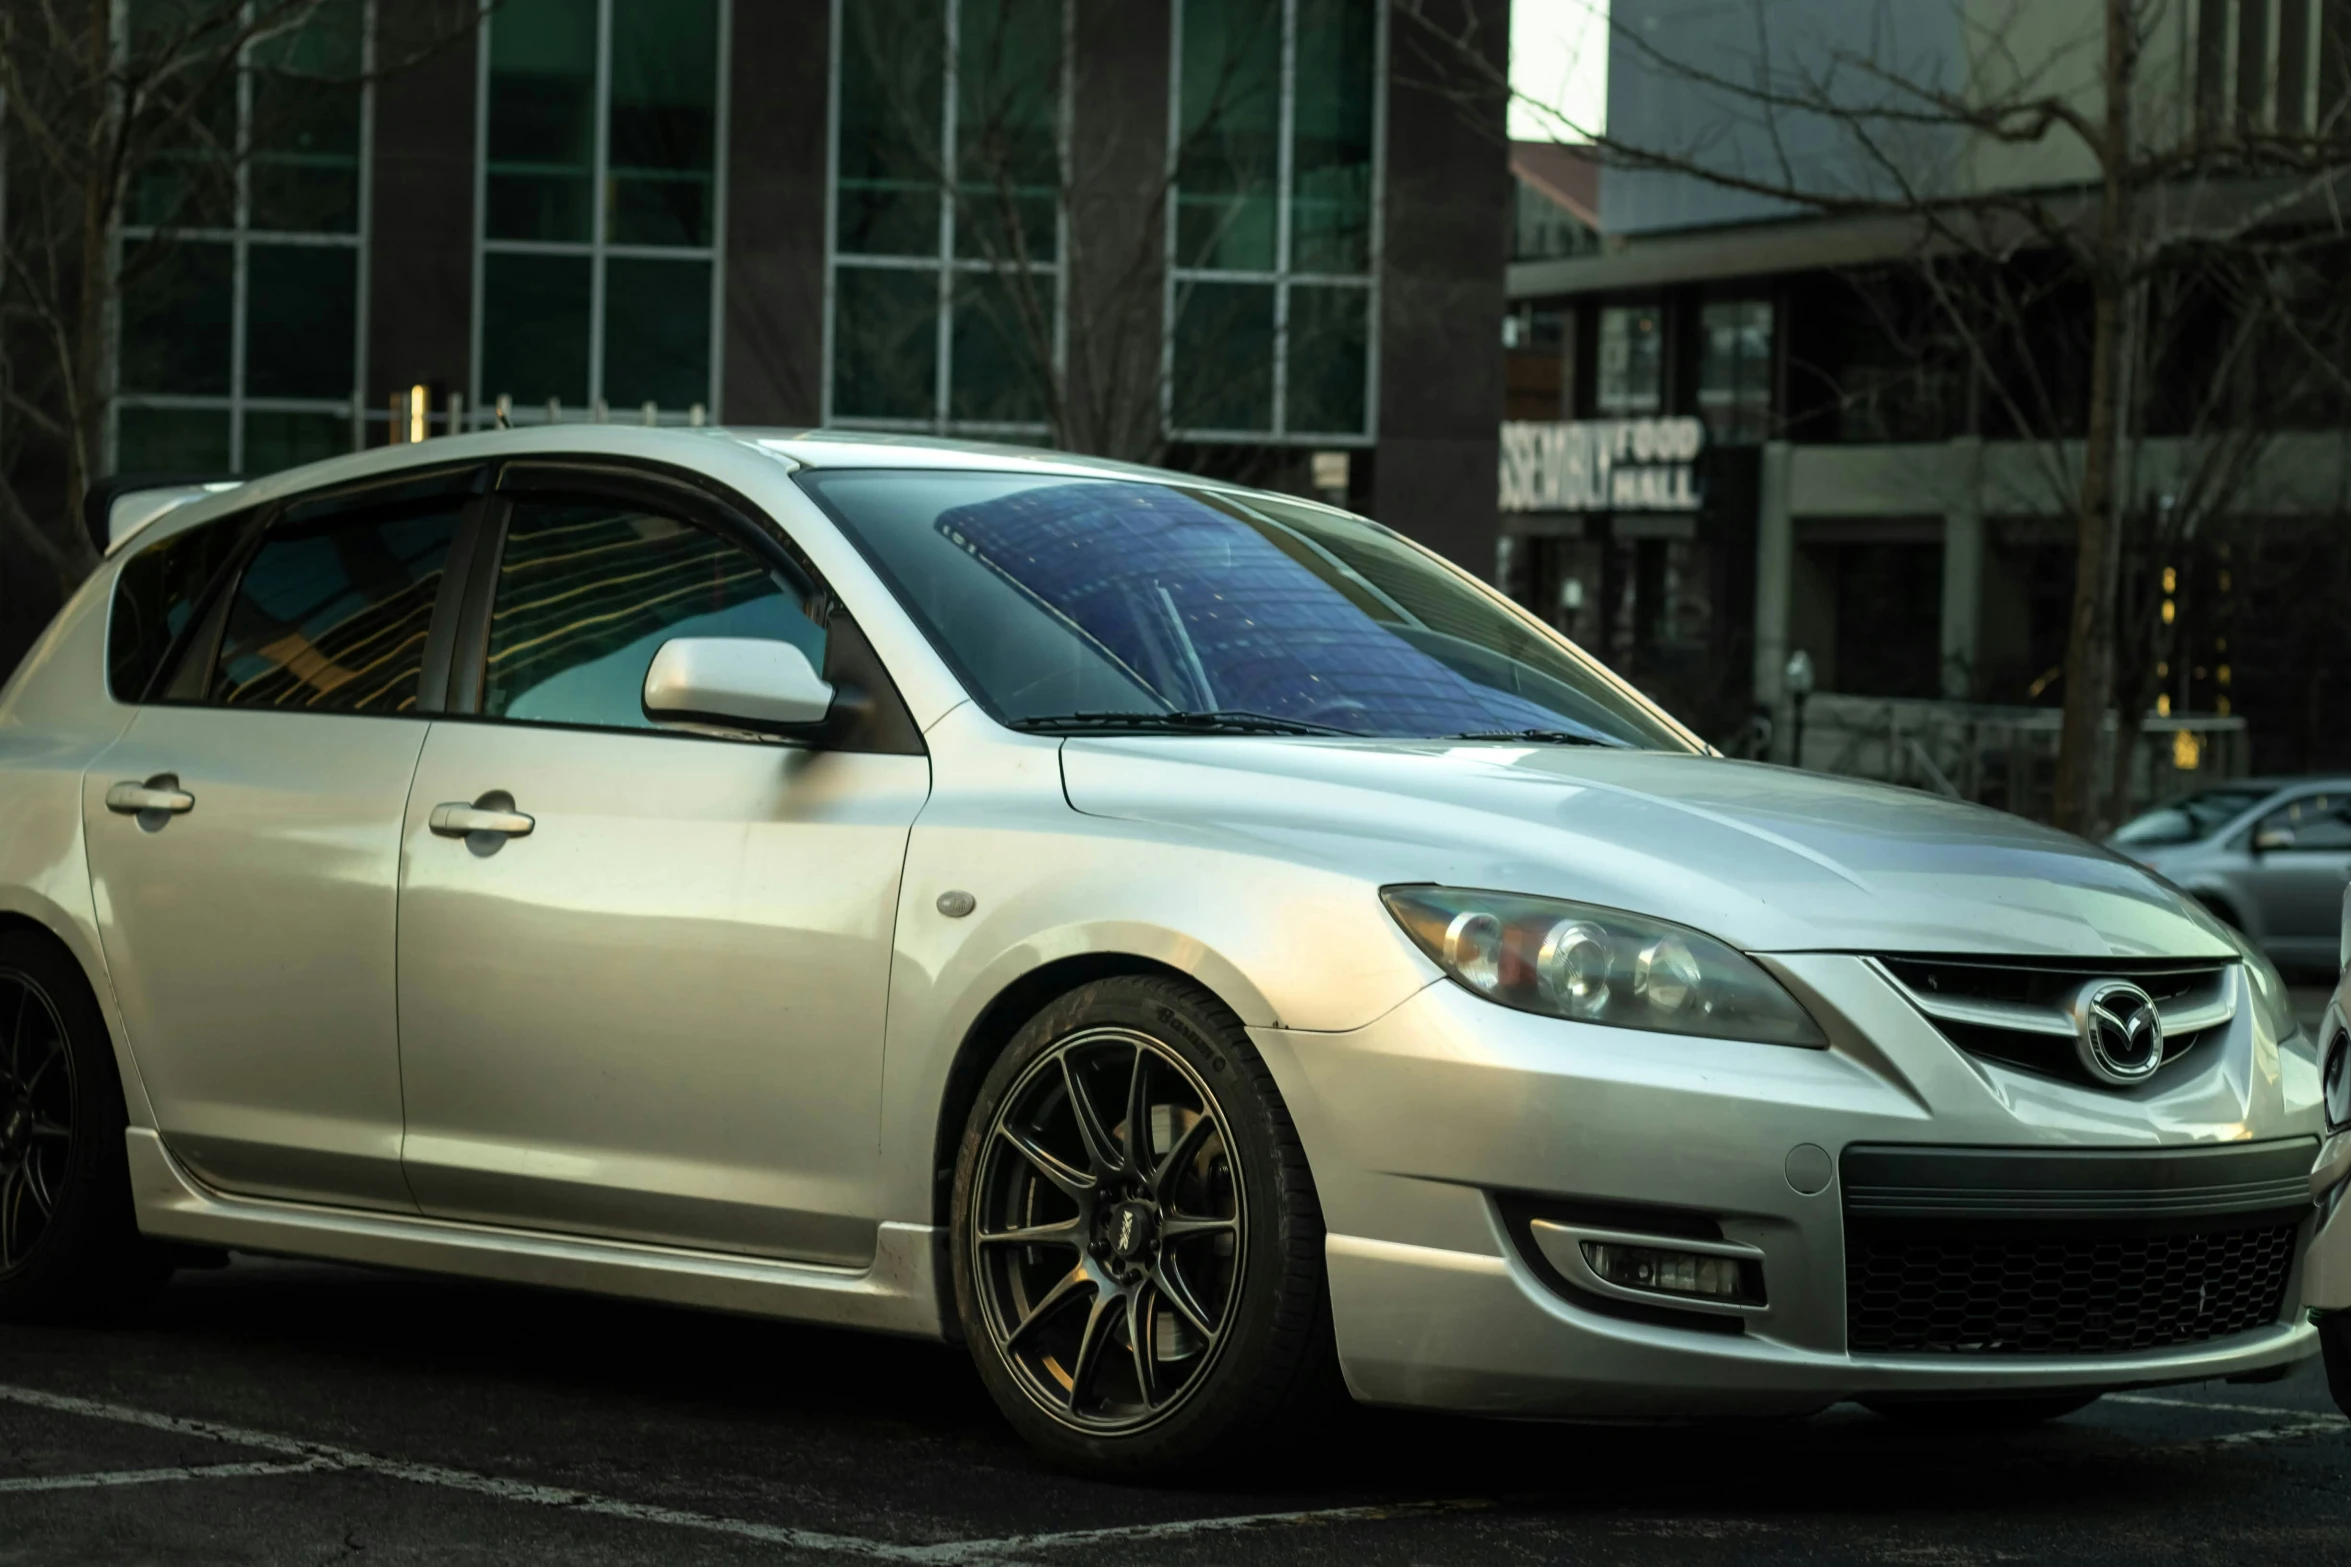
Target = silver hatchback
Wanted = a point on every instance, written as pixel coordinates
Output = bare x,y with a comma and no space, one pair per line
1190,944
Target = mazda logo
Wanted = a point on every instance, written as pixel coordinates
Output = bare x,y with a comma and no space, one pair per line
2120,1037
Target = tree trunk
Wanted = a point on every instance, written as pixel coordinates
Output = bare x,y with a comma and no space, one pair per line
2089,653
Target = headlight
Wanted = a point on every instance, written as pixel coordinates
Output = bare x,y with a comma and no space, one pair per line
1598,966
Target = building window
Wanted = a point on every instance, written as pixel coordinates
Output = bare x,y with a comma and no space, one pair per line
945,301
601,208
2253,64
1632,360
243,335
1734,371
1272,313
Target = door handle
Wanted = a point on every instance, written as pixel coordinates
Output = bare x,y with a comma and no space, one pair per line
159,793
460,820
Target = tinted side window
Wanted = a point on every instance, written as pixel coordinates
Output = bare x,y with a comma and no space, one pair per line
158,593
2317,821
331,615
587,593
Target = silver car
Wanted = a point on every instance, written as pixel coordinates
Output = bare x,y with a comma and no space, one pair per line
2270,856
1185,942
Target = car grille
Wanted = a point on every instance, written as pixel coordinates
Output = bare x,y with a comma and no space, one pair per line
2067,1251
2019,1012
2015,1289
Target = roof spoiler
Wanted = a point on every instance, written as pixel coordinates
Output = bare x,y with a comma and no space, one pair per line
115,508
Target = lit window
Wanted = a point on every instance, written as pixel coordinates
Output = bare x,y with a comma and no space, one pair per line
1632,360
946,313
600,207
1734,371
242,326
1271,294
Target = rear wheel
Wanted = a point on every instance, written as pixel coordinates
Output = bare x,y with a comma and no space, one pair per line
1981,1414
1137,1244
69,1244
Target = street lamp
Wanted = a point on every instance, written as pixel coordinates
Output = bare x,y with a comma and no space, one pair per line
1799,683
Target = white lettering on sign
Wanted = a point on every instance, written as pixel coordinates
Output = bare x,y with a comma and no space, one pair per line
1601,465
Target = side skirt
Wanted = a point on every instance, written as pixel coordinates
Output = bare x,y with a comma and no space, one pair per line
899,1293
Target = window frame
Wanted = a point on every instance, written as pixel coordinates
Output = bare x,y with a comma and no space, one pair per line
597,249
944,265
1282,277
240,236
876,720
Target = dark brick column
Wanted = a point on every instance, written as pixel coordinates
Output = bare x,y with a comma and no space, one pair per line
1442,296
420,259
1117,227
779,110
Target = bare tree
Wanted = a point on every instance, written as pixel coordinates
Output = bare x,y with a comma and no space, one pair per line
2036,133
105,108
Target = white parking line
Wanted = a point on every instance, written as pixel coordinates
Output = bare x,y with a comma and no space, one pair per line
2159,1402
89,1482
324,1457
2297,1423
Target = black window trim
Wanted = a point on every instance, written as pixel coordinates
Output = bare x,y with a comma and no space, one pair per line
184,677
881,723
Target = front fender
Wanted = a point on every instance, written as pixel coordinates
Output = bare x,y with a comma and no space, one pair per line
1285,945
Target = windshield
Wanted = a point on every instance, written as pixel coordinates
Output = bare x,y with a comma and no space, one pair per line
1109,603
2189,820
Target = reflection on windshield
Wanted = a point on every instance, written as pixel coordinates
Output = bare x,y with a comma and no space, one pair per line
1057,597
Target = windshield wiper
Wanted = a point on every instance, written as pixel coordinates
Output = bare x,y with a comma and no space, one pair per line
1223,720
1540,737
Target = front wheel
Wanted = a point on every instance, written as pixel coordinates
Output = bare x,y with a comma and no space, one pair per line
1137,1244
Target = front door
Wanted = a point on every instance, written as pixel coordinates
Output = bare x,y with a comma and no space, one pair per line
244,844
648,1003
2298,879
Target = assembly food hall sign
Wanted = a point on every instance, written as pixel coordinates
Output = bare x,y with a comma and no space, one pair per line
1601,465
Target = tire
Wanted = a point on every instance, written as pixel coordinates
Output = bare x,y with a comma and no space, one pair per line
2334,1337
1981,1414
1206,1250
70,1248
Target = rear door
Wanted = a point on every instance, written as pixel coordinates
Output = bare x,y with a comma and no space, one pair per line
244,842
653,1009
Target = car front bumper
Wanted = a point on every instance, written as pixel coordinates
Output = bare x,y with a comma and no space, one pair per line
1430,1128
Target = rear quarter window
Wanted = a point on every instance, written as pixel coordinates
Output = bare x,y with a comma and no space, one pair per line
157,596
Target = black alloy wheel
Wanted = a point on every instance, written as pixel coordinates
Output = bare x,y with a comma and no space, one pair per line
1137,1244
1108,1230
70,1248
36,1116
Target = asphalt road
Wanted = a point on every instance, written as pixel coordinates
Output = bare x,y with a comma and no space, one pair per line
276,1412
301,1413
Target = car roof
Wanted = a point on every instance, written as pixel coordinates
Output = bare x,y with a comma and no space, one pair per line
795,448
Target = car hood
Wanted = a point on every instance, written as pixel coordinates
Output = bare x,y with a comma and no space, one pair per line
1767,858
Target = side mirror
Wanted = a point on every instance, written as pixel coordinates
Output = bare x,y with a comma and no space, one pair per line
2273,838
736,683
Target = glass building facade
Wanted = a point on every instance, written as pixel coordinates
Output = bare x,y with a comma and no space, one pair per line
242,318
872,214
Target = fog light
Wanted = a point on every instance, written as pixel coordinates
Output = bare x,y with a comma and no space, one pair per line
1667,1272
2338,1081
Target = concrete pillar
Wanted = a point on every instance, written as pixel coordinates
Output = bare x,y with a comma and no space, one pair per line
1775,555
1963,570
